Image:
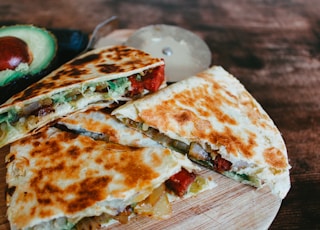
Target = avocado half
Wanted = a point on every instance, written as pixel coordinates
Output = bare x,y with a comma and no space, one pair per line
43,46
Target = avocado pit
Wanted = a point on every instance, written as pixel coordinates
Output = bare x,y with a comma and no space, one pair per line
14,51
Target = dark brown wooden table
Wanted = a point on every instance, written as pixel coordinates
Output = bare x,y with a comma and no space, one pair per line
272,47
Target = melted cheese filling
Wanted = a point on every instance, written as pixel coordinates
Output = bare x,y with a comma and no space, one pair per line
16,123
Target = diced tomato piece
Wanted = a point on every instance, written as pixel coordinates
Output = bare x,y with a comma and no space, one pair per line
179,183
136,86
43,111
221,164
151,81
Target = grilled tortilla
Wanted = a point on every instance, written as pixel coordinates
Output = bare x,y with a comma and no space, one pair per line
57,179
213,119
100,77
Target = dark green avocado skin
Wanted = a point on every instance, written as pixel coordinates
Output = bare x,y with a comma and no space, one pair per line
70,43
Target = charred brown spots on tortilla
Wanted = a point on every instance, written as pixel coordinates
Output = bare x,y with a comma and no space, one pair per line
213,104
242,101
74,151
275,158
56,163
206,105
130,165
45,212
109,133
183,116
119,52
36,136
45,201
68,71
226,138
86,193
86,59
133,170
155,159
48,149
89,191
73,72
232,142
109,68
43,87
250,108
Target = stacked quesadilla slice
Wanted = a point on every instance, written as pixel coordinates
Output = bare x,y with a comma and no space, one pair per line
214,120
57,179
91,170
100,77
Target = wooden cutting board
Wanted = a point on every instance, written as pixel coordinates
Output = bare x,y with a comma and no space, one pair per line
230,205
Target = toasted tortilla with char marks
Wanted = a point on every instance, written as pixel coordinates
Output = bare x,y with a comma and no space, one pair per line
108,63
96,79
55,174
214,110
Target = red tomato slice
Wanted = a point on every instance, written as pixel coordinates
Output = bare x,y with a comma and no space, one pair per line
151,81
180,182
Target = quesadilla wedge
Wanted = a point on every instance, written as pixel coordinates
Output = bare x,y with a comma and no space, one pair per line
61,180
100,77
215,121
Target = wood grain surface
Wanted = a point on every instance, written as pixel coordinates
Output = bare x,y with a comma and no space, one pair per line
230,205
272,47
